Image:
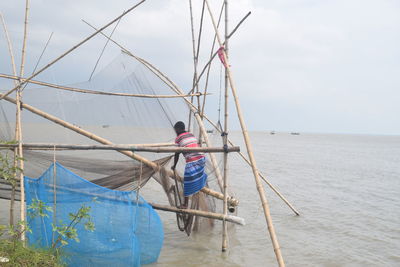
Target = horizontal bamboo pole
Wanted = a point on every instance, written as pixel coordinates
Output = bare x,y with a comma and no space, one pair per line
211,215
95,92
104,141
154,144
125,147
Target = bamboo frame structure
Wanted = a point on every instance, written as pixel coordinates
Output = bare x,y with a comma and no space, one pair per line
249,147
174,87
129,149
95,92
104,141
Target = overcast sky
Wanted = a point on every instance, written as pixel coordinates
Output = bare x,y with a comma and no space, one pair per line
304,66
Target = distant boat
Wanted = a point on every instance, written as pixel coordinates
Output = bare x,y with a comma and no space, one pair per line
295,133
272,132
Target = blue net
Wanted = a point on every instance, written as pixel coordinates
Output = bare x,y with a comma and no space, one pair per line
128,232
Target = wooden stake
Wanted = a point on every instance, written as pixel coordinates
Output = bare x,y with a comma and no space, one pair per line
250,153
225,140
104,141
75,47
18,122
11,52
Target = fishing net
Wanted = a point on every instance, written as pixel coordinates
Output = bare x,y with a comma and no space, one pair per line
121,120
128,232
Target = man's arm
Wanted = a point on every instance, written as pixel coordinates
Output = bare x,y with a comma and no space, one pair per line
176,158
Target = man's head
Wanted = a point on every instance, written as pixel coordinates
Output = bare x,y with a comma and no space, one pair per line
179,127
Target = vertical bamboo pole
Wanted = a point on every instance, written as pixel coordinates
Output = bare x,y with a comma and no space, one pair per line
18,122
225,140
14,69
54,192
194,60
249,147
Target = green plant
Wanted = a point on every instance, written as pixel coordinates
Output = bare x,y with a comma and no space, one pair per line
9,171
20,255
68,231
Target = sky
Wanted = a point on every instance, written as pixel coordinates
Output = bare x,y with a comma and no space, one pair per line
299,66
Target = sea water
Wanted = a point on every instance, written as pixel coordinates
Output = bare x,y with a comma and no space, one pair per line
346,188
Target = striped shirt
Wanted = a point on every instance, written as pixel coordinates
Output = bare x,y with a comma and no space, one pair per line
187,139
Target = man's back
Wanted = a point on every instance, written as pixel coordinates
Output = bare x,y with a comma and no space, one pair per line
187,139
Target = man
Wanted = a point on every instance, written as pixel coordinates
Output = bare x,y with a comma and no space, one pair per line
195,177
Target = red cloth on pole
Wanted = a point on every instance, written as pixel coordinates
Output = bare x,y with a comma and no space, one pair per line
221,55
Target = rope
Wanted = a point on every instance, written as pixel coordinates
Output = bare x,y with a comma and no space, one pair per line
104,48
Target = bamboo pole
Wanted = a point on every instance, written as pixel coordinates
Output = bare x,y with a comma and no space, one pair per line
206,214
22,68
194,62
225,141
10,50
74,47
250,153
238,25
18,122
87,91
104,141
139,148
130,145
